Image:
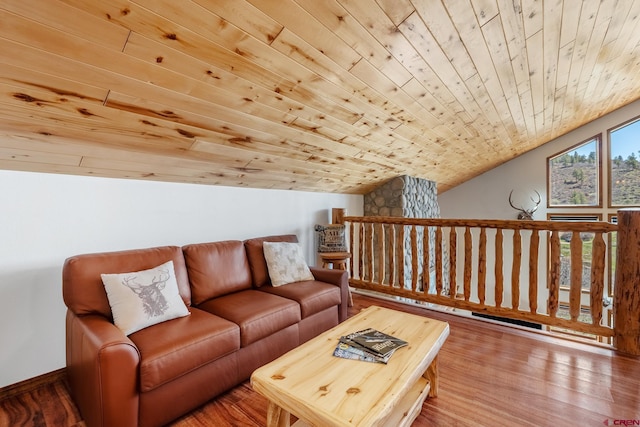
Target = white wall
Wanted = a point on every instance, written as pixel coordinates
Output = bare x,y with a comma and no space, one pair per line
45,218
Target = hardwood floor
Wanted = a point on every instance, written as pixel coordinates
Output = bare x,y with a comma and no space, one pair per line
490,375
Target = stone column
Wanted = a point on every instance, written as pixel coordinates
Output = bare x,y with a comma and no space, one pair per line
406,197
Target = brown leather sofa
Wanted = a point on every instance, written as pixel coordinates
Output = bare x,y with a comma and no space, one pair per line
237,322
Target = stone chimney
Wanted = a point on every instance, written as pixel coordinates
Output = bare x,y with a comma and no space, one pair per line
407,197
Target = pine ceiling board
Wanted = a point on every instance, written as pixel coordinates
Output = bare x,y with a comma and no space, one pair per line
82,127
444,31
20,155
459,101
485,10
593,61
241,93
288,14
625,68
587,21
562,80
246,17
160,76
616,63
237,40
490,95
280,166
59,16
496,131
536,75
378,24
396,10
371,75
513,27
79,149
494,37
27,79
552,24
366,100
90,115
533,17
332,15
281,74
184,113
570,21
414,89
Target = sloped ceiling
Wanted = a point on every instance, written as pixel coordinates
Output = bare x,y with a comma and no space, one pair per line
314,95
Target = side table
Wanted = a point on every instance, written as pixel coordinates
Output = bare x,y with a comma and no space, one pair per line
337,260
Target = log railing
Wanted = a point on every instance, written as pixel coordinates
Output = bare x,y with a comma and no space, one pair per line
524,270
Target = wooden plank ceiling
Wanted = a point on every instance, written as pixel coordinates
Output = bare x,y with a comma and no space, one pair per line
314,95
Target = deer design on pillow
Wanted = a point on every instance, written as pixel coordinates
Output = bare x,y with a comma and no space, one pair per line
153,301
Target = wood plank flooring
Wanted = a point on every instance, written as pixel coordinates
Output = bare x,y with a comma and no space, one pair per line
490,375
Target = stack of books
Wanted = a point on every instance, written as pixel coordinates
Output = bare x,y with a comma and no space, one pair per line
369,345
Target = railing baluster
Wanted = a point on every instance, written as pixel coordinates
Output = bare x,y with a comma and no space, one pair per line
515,270
370,252
533,271
361,251
351,242
598,256
414,258
498,268
400,249
426,260
453,252
467,263
438,251
575,288
482,265
380,251
392,257
554,273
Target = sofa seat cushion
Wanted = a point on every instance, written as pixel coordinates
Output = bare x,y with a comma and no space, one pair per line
258,314
313,296
173,348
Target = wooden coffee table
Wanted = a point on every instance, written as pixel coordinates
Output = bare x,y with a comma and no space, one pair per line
323,390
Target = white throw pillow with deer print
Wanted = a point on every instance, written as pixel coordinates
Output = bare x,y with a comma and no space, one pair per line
144,298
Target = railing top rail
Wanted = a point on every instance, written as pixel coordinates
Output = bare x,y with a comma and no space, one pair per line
587,226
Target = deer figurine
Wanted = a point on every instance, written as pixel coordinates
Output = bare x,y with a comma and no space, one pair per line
526,214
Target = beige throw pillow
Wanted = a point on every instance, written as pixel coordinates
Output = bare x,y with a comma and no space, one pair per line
286,263
144,298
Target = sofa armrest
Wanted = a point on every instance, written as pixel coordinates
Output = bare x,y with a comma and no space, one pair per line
338,278
102,369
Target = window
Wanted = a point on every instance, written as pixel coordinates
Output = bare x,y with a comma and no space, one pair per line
624,165
574,176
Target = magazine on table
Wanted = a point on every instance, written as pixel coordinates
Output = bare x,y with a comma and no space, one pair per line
347,351
369,343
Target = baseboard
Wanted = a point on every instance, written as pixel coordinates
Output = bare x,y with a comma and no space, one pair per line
32,383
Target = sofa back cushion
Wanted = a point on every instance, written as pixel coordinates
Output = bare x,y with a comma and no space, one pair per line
255,255
216,269
82,288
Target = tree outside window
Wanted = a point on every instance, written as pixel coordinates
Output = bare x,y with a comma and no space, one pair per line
624,166
574,175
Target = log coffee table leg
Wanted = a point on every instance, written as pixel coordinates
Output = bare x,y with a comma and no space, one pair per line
432,375
277,417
